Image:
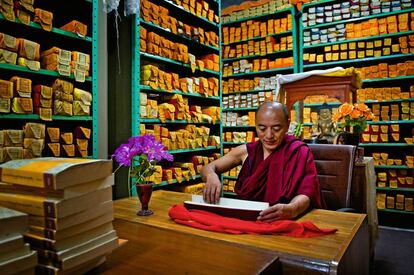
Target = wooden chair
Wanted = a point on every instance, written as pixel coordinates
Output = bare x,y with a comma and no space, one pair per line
335,165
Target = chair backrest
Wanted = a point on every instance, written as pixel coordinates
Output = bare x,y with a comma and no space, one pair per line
334,166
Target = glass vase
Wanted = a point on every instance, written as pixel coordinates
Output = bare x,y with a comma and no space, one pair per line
144,192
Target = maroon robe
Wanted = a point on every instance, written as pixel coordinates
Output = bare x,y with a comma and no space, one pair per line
287,172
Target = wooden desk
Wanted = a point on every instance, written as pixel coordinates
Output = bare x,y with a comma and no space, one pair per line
152,250
345,252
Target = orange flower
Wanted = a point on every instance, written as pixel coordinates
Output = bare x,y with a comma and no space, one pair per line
336,117
369,115
345,109
355,113
361,106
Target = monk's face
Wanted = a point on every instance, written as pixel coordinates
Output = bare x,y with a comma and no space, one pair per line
271,127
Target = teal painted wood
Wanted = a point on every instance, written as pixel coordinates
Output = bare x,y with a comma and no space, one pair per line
264,72
356,20
391,122
233,143
257,17
95,88
359,39
53,31
396,189
135,70
181,151
350,61
296,59
37,117
230,194
388,101
258,38
12,67
408,77
256,56
385,145
308,124
165,183
169,33
230,177
221,129
393,167
396,211
157,121
241,126
322,104
158,91
240,109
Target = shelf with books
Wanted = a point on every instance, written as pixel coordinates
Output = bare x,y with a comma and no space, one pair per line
166,183
395,189
330,104
171,61
272,54
385,144
177,73
53,31
393,167
183,151
395,211
60,39
359,39
391,79
357,60
262,72
240,109
12,67
388,101
391,122
37,117
257,38
169,33
261,16
145,88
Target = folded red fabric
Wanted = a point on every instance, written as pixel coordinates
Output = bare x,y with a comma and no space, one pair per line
213,222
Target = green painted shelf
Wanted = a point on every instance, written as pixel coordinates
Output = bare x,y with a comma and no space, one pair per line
393,167
373,80
240,126
308,124
54,30
316,3
254,56
257,38
41,71
229,177
165,183
149,89
391,122
354,20
396,211
230,194
192,15
322,104
385,144
260,72
35,116
179,151
155,120
167,60
232,143
388,101
169,32
264,15
359,39
247,92
239,109
324,64
395,189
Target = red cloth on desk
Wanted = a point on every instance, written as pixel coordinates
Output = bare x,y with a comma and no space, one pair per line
287,172
213,222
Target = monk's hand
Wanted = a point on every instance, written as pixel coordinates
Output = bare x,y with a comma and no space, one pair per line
212,189
277,212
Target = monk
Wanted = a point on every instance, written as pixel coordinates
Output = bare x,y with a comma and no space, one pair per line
278,169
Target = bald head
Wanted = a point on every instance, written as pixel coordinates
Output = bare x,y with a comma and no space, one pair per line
273,106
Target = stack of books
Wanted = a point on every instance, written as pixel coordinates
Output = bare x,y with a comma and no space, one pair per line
69,203
15,255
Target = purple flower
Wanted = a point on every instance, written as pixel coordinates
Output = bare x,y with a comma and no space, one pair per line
146,144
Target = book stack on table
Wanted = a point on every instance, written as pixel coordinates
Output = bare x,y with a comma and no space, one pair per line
69,203
15,255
